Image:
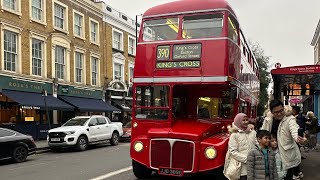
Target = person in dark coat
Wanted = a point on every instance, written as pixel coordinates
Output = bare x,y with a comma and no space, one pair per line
261,162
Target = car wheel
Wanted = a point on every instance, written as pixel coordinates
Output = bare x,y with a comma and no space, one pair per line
20,154
140,171
82,143
114,139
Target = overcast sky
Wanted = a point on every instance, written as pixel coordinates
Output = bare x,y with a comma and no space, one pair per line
283,28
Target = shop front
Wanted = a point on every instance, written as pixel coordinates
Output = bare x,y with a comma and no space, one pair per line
85,101
119,95
24,105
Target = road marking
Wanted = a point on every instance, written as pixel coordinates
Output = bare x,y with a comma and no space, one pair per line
105,176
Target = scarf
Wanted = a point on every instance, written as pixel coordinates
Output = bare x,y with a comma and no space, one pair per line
238,122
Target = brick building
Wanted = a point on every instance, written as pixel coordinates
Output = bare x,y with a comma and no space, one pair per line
120,52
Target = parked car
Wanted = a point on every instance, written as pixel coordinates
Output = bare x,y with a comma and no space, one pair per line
127,131
81,131
15,146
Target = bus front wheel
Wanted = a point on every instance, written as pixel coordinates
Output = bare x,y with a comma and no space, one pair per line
140,171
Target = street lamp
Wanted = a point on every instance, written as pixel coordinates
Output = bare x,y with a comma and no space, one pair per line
44,95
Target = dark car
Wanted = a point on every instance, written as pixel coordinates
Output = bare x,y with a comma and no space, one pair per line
15,146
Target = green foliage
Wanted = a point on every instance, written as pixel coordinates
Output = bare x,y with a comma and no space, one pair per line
265,78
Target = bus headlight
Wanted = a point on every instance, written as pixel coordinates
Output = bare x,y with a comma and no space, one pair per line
138,146
210,152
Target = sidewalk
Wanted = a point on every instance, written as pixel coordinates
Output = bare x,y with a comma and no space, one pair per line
42,146
310,165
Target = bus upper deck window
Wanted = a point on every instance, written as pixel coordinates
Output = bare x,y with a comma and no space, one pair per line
202,26
161,29
233,29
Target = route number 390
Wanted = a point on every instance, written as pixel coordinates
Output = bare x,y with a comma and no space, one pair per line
163,52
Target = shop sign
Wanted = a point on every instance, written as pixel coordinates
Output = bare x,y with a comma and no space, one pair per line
30,107
28,119
76,92
11,83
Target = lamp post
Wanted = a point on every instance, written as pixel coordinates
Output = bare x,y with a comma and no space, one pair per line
137,28
44,95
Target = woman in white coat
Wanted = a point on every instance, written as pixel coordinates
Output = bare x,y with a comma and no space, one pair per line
242,139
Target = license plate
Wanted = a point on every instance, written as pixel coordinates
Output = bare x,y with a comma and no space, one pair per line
170,171
55,139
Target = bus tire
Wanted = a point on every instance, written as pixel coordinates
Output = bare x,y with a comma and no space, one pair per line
219,174
140,171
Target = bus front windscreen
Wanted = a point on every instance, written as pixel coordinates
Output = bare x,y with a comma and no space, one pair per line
161,29
202,26
152,102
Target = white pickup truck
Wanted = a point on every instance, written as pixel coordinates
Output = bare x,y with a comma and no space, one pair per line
81,131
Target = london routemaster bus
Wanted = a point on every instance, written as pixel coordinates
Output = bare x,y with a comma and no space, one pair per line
194,71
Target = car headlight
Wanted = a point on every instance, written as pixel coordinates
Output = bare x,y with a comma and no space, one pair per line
69,132
138,146
210,152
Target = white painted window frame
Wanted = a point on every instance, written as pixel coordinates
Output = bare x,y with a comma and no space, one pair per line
130,65
43,38
4,26
61,40
66,18
95,55
97,42
83,35
43,21
83,51
121,39
122,63
134,45
14,11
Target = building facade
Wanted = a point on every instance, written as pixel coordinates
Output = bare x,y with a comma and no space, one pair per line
53,58
316,45
120,52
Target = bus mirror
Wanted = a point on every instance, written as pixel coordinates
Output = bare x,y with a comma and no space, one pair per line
234,93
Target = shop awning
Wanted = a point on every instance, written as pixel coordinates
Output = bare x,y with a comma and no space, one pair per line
36,100
89,105
129,103
122,105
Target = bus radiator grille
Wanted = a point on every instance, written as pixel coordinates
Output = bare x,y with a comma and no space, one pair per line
172,153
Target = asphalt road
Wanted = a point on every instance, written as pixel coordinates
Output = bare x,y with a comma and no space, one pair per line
103,162
69,165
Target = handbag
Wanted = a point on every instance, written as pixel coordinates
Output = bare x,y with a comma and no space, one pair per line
232,169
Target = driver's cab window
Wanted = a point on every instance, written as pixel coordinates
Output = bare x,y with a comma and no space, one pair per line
179,107
93,122
213,107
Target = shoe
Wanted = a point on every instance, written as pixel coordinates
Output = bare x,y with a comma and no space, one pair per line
302,157
301,175
295,177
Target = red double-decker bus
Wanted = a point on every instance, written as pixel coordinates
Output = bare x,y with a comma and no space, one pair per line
194,71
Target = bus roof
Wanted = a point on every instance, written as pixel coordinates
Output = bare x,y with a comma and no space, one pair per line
187,6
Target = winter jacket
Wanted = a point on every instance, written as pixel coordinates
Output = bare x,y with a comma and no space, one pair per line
288,148
256,165
267,123
281,172
239,145
287,135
